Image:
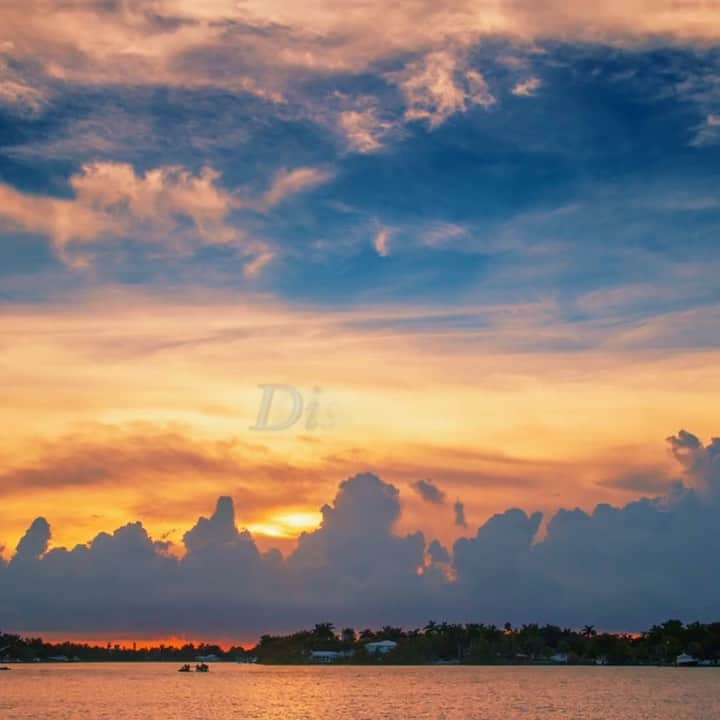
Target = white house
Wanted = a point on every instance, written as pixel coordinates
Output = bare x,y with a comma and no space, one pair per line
381,647
329,656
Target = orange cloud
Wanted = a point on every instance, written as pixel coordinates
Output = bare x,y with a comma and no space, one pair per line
440,85
289,182
382,242
129,403
112,200
181,42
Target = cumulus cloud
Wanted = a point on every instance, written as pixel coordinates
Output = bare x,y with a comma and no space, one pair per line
609,567
170,207
429,492
111,199
218,530
438,553
701,463
34,542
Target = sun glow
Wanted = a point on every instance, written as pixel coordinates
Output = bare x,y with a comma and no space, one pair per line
287,525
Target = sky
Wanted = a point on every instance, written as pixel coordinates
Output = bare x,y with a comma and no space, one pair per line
426,294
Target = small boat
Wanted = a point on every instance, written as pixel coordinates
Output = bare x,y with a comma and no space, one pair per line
685,660
184,668
4,668
202,667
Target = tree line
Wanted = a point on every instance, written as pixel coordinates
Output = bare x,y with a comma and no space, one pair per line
471,643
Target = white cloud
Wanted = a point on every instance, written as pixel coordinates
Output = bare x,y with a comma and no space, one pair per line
169,206
707,132
112,200
381,242
439,85
290,182
363,129
254,267
219,44
527,88
442,234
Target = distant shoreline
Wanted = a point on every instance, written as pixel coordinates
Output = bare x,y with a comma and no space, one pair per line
671,643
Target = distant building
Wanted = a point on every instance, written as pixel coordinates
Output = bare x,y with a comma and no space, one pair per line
329,656
382,647
207,658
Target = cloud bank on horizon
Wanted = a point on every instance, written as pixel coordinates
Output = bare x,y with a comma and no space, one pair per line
617,567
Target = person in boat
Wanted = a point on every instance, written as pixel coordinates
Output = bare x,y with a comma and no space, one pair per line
184,668
202,667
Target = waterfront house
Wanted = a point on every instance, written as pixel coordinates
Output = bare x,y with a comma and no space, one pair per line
381,647
329,656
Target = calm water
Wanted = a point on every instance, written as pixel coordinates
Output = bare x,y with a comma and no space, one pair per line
158,692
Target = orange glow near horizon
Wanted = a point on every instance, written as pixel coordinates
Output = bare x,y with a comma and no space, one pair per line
143,407
127,642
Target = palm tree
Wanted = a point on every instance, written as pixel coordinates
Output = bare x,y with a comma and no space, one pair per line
392,633
589,631
324,631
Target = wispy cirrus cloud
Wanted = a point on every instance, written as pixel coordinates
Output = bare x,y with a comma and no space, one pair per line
290,182
381,241
439,85
363,129
18,92
528,87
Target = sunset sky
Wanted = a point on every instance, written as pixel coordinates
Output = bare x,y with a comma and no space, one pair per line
478,240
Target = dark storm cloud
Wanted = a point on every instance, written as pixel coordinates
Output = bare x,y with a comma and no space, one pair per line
459,510
429,492
622,567
437,552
